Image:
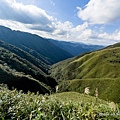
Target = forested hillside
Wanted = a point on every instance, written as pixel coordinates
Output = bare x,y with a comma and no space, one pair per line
23,71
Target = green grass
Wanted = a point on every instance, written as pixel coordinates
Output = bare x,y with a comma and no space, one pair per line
19,106
108,89
75,97
98,64
99,69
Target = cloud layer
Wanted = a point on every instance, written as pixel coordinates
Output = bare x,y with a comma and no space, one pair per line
32,19
30,14
100,11
26,14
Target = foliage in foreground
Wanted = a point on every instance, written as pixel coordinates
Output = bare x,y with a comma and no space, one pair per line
19,106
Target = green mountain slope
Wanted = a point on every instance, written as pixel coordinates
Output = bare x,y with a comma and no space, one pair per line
23,68
108,88
37,62
37,46
98,69
98,64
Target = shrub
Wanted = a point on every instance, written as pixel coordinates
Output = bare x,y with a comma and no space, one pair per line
16,105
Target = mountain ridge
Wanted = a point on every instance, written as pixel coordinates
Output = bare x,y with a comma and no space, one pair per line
76,48
34,45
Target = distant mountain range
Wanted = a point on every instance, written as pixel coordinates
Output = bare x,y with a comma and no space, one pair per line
76,48
47,50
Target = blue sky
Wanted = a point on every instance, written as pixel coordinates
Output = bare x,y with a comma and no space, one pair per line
87,21
62,9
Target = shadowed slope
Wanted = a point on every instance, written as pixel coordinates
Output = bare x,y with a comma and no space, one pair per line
20,66
37,46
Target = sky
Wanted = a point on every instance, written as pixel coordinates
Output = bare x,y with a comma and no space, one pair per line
88,21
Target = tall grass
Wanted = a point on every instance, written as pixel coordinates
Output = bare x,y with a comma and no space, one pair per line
108,88
16,105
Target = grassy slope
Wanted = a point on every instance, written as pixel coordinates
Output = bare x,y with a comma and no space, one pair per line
108,89
98,69
75,97
99,64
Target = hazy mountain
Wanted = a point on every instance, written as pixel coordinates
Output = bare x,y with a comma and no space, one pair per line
37,46
76,48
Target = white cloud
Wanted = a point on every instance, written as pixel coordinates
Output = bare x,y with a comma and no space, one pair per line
100,11
80,28
14,25
26,14
30,18
62,28
40,27
114,36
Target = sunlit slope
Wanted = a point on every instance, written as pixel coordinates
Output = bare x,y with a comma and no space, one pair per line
75,97
99,64
108,88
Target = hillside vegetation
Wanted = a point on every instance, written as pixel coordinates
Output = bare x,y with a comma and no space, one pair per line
36,62
18,106
98,69
98,64
21,70
108,88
